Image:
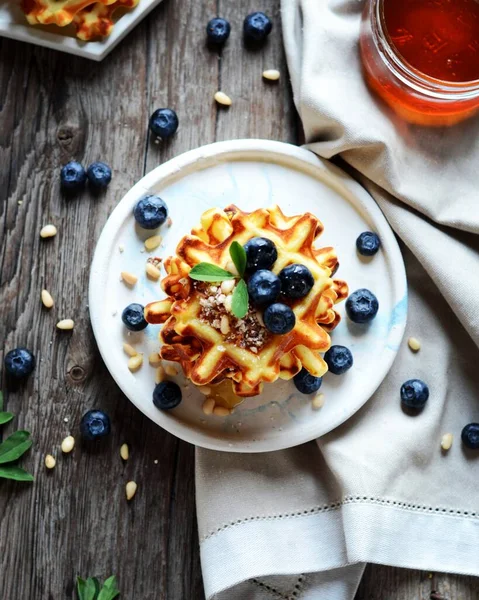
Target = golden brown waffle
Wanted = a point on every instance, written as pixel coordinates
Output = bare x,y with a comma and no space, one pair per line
56,12
96,20
191,335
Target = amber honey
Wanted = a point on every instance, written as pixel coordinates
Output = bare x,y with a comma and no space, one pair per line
422,57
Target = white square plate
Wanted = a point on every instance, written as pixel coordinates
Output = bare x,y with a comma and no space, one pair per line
13,24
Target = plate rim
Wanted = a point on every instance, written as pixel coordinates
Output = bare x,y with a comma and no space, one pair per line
221,150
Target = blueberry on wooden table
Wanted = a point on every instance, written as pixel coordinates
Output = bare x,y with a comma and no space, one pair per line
339,359
307,383
263,287
279,318
19,362
95,424
218,31
368,243
261,253
257,26
414,394
470,436
99,175
163,123
296,281
150,212
133,317
362,306
73,176
167,395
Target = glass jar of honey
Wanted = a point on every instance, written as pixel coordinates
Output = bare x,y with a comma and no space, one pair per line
422,57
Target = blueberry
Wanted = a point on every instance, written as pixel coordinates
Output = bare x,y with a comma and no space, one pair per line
414,394
72,176
307,383
19,362
296,281
368,243
263,287
133,317
163,123
166,395
218,30
470,436
279,318
99,175
150,212
261,253
95,424
339,359
362,306
257,26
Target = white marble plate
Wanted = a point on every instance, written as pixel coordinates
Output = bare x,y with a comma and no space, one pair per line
14,25
250,174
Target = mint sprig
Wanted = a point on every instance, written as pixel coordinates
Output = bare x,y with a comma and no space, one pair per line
238,256
12,449
90,589
239,303
204,271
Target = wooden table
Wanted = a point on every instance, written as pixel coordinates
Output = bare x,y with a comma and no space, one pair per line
53,107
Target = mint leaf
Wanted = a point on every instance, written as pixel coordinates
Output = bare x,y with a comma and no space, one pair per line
14,446
238,256
88,589
109,590
81,587
15,473
207,272
239,304
5,417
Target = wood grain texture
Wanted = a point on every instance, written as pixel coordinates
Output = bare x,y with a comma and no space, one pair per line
54,107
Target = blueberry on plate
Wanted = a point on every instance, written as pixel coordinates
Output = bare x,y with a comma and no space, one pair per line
362,306
95,424
261,253
263,287
339,359
296,281
99,175
166,395
163,123
307,383
414,394
218,31
150,212
470,436
279,318
134,317
19,362
257,26
368,243
72,176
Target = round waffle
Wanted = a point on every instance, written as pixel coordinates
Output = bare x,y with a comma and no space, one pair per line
245,352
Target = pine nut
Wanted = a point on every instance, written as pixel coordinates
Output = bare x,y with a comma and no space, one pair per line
318,401
446,441
204,389
152,271
225,325
48,231
221,411
124,452
50,462
68,444
231,267
171,371
259,318
65,324
47,299
129,278
223,99
121,248
154,359
160,375
228,302
130,489
135,362
271,74
227,286
208,406
129,350
414,344
153,242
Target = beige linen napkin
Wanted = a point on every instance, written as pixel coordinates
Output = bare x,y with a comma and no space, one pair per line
301,523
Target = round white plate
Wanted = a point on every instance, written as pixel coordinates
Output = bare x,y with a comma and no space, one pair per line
251,174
